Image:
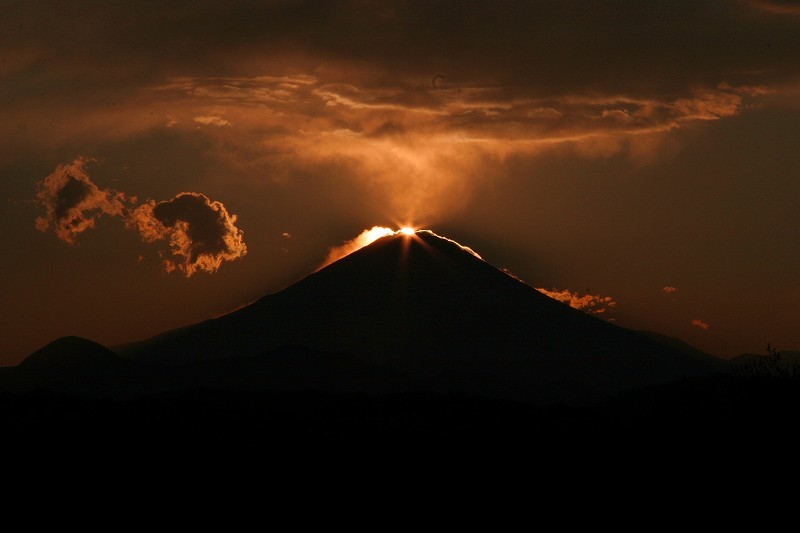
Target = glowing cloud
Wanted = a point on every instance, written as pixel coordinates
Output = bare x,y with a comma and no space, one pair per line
73,202
669,289
365,238
201,232
368,236
700,324
507,271
212,121
590,303
419,147
465,248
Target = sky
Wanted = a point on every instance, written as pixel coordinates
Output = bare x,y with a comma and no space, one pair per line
167,162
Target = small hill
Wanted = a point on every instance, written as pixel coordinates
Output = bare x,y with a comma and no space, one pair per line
70,354
77,365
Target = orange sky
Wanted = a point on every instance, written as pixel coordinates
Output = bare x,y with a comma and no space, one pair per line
603,151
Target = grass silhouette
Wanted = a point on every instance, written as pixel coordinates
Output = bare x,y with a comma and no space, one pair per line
773,365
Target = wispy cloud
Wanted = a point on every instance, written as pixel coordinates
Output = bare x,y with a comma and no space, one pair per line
774,7
700,324
492,76
421,148
669,289
365,238
476,114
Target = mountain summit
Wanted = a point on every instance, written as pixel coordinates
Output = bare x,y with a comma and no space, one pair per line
427,307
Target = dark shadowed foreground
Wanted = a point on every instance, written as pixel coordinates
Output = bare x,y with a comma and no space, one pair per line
701,419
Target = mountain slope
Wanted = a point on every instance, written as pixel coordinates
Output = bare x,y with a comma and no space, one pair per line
425,306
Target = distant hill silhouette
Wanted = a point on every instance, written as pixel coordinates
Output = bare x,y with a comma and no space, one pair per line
77,365
70,354
424,307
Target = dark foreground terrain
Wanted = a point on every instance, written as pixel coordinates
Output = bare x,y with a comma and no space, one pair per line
693,418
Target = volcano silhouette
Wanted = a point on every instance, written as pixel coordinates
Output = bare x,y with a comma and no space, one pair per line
426,307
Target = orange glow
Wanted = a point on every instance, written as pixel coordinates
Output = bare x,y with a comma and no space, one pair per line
590,303
365,238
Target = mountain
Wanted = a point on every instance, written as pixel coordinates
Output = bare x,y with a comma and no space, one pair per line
426,307
411,345
71,354
77,365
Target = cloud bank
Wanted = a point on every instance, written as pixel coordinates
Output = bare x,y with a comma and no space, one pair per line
419,148
415,117
201,232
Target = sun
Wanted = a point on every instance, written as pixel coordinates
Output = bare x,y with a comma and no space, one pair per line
407,230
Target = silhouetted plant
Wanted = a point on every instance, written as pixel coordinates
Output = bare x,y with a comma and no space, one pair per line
771,365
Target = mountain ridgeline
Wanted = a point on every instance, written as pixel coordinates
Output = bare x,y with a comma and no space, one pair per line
425,309
408,313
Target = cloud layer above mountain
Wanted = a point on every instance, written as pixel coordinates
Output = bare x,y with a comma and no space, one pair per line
408,98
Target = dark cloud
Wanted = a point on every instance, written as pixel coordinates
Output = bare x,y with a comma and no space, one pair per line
549,47
201,232
532,71
73,202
